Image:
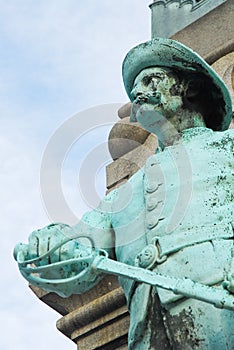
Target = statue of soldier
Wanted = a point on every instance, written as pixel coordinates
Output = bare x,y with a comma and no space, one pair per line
174,216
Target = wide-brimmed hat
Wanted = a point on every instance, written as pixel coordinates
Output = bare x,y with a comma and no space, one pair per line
161,52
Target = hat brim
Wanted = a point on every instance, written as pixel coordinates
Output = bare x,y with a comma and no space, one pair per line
162,52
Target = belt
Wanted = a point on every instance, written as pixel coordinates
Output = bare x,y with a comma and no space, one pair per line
161,247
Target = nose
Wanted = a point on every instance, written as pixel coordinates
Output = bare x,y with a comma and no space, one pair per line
138,90
154,82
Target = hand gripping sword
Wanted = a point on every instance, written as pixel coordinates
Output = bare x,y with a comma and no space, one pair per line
97,262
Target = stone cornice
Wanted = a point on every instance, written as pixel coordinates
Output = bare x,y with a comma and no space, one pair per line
195,3
178,14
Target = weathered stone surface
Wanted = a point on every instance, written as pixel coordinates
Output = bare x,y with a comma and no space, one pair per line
225,68
212,36
100,323
108,336
125,110
124,167
124,137
96,319
66,305
178,14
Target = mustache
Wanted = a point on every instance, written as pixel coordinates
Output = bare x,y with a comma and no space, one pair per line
151,97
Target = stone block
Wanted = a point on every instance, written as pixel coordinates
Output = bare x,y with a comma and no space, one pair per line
178,14
100,324
212,36
66,305
125,136
125,110
124,167
225,69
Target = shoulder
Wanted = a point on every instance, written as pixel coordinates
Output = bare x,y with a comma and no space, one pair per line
203,138
222,140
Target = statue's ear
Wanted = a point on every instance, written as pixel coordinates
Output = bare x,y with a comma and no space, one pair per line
193,88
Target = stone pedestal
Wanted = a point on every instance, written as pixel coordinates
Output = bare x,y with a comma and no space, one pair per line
97,319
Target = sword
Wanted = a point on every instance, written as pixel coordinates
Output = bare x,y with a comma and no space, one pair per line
220,298
97,262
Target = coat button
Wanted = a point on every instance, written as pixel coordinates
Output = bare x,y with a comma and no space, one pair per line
151,203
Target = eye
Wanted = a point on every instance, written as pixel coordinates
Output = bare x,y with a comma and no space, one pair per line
147,80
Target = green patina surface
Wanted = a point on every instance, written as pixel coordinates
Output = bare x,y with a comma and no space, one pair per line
174,217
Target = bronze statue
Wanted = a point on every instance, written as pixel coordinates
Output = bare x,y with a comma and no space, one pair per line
173,217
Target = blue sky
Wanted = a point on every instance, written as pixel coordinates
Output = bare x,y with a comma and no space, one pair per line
58,58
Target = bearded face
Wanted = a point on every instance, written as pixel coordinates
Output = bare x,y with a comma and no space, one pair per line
160,88
158,97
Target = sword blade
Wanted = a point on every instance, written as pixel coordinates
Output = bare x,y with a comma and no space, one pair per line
217,296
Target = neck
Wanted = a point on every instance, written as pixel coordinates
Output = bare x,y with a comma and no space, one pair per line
167,126
186,119
170,133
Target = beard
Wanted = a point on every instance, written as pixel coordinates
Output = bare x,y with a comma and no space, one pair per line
153,119
167,121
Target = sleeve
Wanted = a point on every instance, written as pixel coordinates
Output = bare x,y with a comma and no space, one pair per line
96,225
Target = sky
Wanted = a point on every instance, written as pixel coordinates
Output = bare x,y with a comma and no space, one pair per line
60,88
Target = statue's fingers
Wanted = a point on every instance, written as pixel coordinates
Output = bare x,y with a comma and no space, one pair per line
55,239
43,247
21,251
67,250
61,234
33,244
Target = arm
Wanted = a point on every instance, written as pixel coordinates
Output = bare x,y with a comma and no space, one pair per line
97,225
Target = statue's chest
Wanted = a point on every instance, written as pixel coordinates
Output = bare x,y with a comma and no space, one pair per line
184,189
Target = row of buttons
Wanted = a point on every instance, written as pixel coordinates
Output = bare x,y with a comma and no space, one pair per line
154,192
